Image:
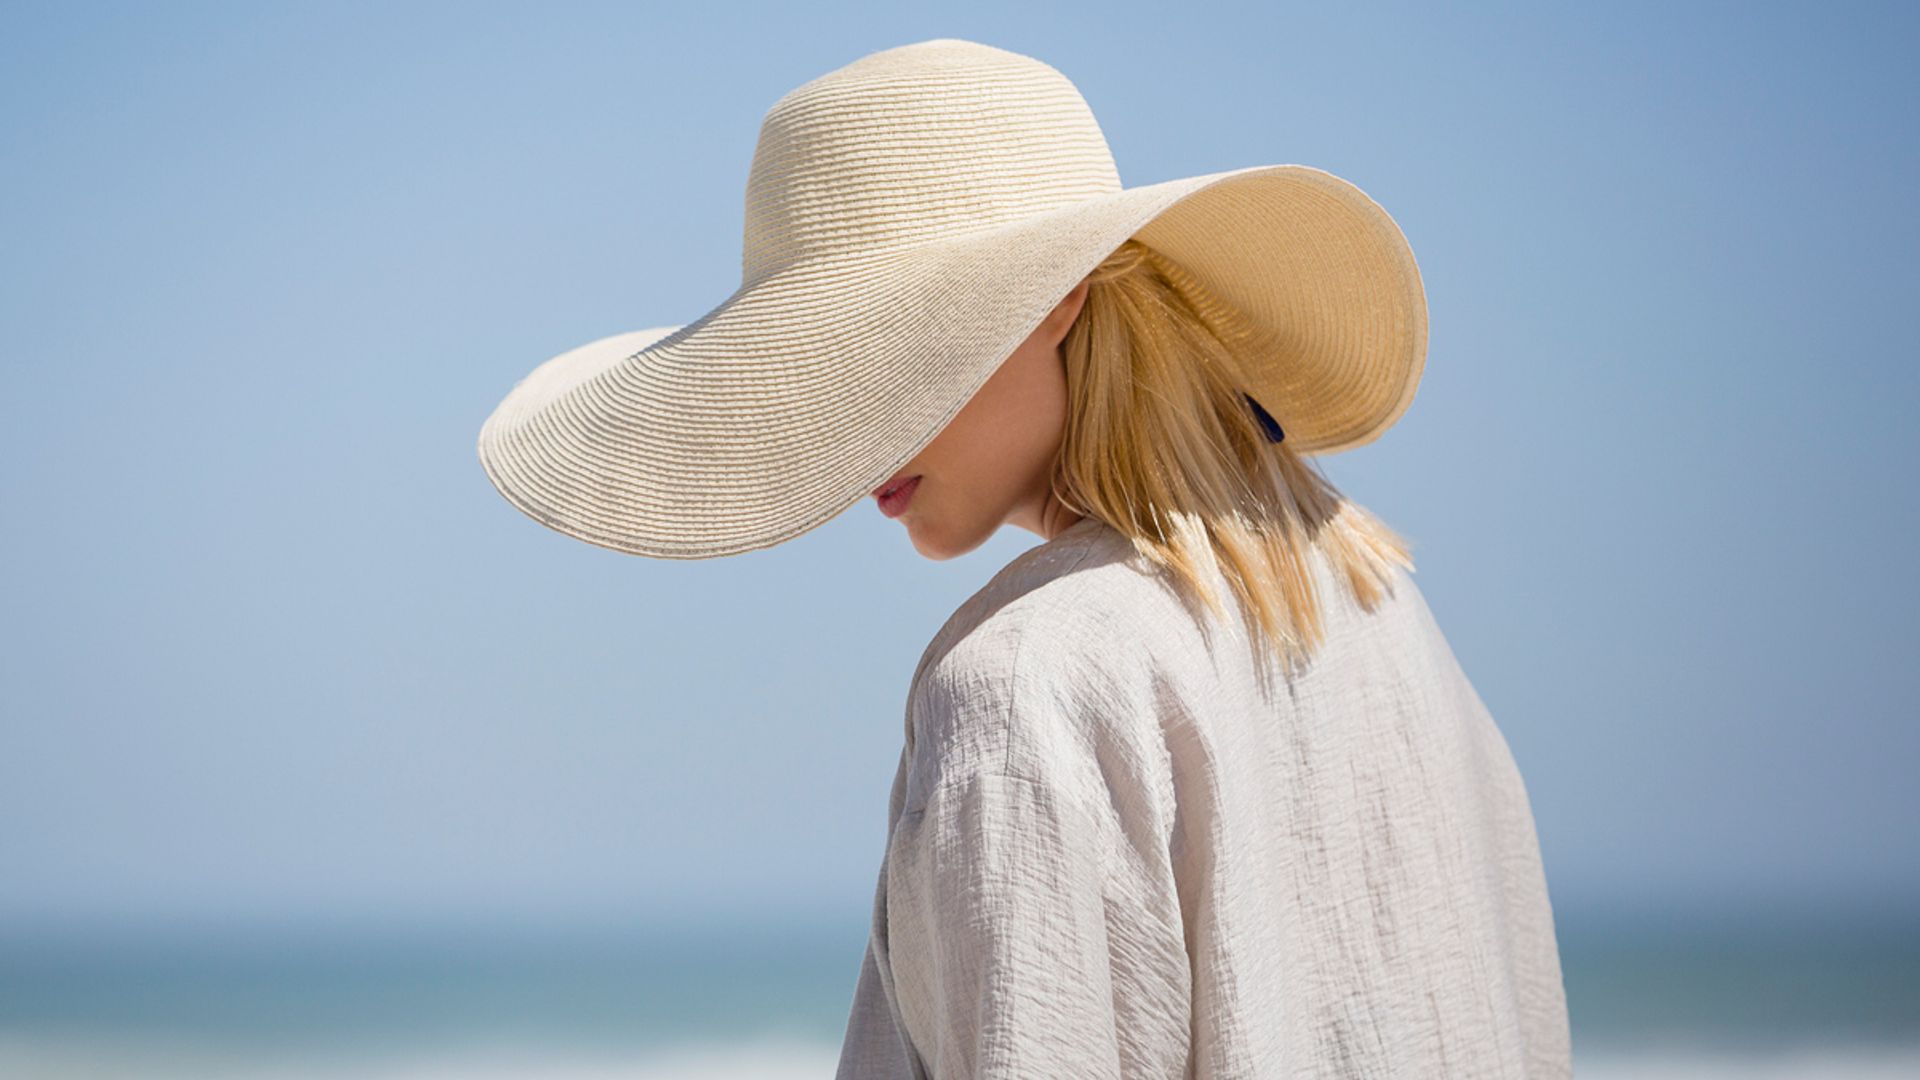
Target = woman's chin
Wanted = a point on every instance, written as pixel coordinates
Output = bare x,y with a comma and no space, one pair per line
929,547
940,542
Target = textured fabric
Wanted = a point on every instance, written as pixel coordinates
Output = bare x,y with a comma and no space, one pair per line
1115,851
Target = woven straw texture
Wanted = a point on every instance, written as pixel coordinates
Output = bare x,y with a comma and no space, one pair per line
909,220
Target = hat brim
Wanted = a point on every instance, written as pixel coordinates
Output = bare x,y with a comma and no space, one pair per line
787,403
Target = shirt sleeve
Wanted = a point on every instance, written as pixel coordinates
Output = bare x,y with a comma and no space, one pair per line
872,1048
998,932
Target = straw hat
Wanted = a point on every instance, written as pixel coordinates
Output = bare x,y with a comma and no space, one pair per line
910,219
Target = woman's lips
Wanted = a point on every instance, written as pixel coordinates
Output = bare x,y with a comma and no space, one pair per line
895,495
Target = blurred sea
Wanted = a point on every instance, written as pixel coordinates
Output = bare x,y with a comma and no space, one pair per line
1655,1001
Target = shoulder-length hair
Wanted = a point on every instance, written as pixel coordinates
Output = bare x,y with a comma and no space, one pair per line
1162,444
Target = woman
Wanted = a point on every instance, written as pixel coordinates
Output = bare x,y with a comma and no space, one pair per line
1195,787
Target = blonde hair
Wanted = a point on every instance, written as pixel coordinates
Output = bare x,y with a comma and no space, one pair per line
1161,444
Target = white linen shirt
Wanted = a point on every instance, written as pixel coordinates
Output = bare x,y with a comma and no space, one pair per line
1115,852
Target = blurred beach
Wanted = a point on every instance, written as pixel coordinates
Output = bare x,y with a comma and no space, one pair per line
1833,1000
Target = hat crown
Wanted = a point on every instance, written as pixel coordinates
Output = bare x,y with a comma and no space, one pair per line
914,144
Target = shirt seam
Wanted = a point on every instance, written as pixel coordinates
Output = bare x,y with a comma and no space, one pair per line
1003,766
1020,654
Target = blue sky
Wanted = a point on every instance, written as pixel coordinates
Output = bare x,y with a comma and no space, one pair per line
276,651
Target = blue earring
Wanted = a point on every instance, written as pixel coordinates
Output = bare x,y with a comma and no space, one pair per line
1267,422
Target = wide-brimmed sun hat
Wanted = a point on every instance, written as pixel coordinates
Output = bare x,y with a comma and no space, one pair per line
910,219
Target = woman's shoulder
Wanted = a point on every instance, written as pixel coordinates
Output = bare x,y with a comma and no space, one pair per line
1085,596
1074,644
